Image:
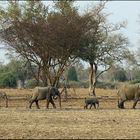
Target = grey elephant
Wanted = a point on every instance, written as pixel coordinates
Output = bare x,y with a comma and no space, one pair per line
41,93
91,101
3,95
127,92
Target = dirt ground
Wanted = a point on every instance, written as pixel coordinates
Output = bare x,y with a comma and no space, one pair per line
72,121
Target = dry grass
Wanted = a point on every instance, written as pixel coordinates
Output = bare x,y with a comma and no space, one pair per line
80,92
72,121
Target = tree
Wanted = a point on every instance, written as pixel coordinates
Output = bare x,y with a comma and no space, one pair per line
81,70
72,74
8,79
120,75
102,45
15,70
41,37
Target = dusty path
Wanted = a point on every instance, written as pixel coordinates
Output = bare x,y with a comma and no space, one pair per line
69,123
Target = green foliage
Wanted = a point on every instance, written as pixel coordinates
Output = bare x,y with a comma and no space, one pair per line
120,75
134,73
13,10
105,85
85,84
135,81
72,74
7,79
65,6
31,83
13,71
7,76
79,84
75,84
17,67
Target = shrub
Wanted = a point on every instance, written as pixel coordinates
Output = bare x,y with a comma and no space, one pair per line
120,75
85,84
8,79
76,84
105,85
72,74
135,81
30,83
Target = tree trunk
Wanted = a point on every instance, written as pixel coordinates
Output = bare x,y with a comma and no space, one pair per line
92,79
56,81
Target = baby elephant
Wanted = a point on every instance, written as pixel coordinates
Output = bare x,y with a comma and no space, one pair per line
91,101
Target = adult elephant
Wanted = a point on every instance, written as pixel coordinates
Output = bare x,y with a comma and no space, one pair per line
128,92
41,93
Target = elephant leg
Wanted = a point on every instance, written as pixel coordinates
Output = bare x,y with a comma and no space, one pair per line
98,105
6,101
47,103
121,104
90,106
37,105
31,102
52,102
135,103
59,99
85,107
94,105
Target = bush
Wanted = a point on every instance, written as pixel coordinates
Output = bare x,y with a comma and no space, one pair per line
72,74
85,84
76,84
30,83
8,79
135,81
105,85
120,76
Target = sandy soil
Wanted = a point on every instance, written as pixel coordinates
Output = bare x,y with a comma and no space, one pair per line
72,121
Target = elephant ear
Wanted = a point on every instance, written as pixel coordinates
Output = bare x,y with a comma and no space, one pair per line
52,91
48,92
57,92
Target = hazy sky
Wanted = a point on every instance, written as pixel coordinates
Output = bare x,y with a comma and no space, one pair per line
120,10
